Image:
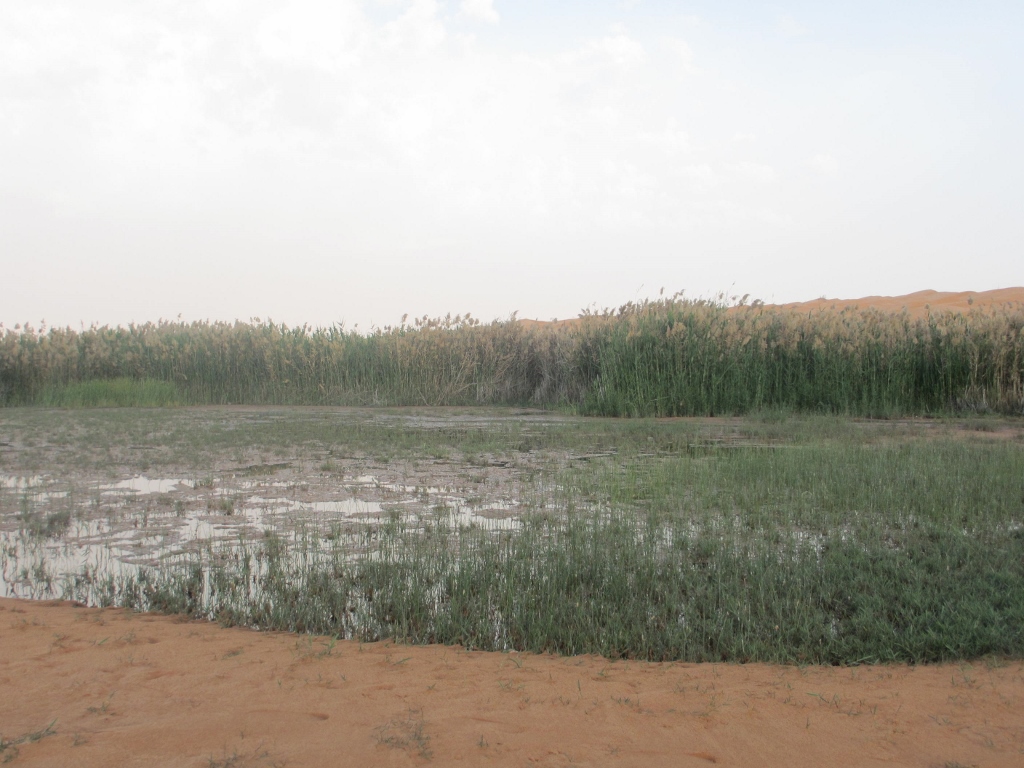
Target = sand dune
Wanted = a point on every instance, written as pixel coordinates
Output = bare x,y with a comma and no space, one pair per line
917,304
920,302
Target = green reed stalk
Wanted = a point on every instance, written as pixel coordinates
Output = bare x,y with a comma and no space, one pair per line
661,358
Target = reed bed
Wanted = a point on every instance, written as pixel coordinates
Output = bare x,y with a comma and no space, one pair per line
837,555
807,538
669,357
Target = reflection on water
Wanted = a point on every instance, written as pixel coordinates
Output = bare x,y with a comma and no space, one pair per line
50,530
20,482
142,484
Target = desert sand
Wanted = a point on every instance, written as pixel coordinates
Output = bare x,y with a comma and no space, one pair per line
91,687
916,304
921,302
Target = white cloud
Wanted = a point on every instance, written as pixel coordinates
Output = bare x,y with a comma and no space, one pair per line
702,176
380,116
682,52
824,164
672,141
747,171
790,27
617,49
306,32
480,10
350,135
419,28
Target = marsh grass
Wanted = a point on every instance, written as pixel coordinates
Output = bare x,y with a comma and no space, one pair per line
49,525
628,589
670,357
120,392
780,537
833,546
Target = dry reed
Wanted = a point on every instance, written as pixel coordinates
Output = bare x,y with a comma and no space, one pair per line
666,357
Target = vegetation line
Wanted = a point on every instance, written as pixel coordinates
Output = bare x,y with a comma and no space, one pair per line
620,588
670,357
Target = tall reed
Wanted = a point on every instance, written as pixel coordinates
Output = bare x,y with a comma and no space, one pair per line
667,357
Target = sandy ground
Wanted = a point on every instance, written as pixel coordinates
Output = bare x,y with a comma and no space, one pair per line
90,687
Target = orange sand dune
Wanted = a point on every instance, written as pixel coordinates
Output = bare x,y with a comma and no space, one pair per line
89,687
917,304
920,302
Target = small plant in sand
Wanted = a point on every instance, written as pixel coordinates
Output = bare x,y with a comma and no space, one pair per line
259,757
407,732
9,747
309,649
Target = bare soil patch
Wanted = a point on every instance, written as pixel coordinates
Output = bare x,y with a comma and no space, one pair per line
92,687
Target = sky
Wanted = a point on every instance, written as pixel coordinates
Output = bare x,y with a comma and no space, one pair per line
350,161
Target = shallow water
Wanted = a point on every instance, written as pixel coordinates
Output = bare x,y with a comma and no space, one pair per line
52,528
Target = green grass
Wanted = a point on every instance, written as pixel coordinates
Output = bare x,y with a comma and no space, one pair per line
777,538
9,747
625,588
110,393
671,357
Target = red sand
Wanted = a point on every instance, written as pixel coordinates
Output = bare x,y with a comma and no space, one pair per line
124,689
920,302
917,304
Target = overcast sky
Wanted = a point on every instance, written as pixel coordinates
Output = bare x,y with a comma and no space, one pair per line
327,161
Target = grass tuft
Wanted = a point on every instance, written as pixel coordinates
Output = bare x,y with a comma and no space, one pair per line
9,747
408,732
